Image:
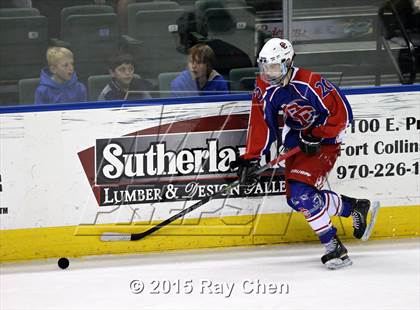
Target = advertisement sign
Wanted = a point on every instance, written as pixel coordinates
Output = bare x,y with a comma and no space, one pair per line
185,160
111,165
349,28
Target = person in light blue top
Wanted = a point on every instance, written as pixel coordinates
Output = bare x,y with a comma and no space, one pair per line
58,82
199,78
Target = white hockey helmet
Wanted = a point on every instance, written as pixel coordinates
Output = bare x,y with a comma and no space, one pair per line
275,60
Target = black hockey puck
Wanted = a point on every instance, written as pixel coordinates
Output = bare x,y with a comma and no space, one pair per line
63,263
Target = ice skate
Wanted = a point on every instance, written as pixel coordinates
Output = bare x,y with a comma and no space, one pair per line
360,209
359,213
335,256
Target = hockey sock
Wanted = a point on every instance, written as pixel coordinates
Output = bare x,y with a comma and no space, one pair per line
309,201
335,205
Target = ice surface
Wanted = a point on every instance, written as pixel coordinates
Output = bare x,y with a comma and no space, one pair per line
384,275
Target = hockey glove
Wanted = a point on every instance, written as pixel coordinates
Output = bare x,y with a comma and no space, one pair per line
309,144
246,170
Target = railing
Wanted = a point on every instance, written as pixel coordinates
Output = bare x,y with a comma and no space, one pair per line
409,43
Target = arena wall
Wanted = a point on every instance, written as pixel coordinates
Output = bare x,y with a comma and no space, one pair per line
71,172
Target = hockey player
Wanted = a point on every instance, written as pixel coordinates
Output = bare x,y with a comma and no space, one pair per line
316,113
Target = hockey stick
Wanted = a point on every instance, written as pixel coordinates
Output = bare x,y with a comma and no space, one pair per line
113,236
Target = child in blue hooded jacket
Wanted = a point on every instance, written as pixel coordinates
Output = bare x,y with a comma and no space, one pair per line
199,78
59,82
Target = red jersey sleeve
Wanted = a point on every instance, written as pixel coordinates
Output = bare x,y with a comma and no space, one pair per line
330,99
258,131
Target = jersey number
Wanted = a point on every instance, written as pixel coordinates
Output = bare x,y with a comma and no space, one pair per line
326,87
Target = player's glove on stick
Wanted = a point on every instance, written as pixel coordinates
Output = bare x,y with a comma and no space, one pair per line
246,170
309,144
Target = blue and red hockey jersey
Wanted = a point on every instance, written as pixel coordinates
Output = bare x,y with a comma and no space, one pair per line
308,102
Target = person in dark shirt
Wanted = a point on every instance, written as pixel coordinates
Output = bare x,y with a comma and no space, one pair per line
123,81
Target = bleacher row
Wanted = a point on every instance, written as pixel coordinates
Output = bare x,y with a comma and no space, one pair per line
154,38
91,32
241,79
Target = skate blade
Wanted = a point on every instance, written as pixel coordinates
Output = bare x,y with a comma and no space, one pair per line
373,215
337,263
113,236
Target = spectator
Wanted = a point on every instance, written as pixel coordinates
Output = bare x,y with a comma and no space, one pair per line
199,78
59,82
15,3
121,69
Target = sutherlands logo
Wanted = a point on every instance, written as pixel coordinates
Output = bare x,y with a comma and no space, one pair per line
126,159
187,160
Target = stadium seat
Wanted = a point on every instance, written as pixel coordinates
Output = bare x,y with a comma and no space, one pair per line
15,12
157,30
24,41
26,88
133,8
92,35
83,10
165,80
96,83
242,79
186,4
203,5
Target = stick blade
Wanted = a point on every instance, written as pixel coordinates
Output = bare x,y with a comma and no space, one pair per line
113,236
373,215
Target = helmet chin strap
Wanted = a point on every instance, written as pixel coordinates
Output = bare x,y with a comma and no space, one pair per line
287,78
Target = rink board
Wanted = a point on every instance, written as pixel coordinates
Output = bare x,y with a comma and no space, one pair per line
70,172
